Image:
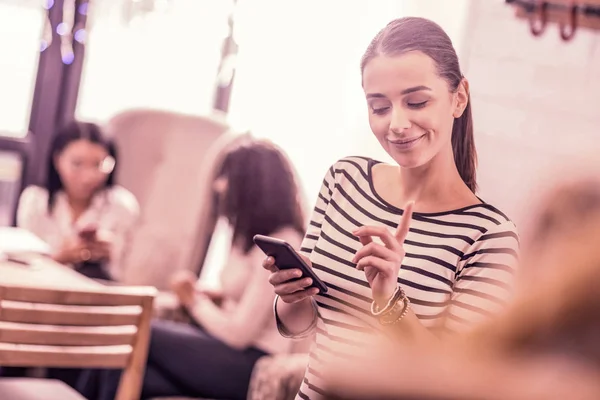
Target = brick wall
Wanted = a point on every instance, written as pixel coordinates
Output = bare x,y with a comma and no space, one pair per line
536,104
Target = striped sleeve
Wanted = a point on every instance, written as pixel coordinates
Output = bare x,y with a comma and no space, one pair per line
485,278
318,215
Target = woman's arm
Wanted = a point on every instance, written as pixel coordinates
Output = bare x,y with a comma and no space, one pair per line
381,265
239,327
485,278
117,240
296,311
482,286
30,209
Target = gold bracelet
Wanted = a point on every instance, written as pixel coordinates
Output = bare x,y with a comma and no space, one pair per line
398,294
397,313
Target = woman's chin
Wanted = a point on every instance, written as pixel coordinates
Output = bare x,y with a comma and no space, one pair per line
409,161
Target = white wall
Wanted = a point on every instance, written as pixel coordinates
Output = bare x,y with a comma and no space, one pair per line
536,104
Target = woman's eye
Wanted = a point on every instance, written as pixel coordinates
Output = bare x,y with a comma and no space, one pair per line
418,105
380,110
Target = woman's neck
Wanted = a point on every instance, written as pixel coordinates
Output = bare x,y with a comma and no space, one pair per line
78,206
436,179
434,187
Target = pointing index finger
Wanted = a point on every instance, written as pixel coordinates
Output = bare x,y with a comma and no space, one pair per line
404,224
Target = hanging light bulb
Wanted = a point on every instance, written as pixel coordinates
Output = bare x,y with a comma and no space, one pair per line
80,35
46,35
84,8
65,29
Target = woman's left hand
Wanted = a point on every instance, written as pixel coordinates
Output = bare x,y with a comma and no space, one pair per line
99,246
99,250
183,284
382,263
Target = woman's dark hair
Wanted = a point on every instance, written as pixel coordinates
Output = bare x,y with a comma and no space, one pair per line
71,132
262,194
419,34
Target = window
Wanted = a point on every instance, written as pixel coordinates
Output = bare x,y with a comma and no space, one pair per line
161,54
10,179
22,23
298,78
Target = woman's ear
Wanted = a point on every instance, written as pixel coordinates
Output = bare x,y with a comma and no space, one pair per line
56,162
462,98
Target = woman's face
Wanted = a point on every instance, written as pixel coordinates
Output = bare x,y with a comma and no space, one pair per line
411,108
83,168
219,187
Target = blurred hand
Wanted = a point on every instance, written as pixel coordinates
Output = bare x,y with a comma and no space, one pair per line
73,251
286,283
99,250
183,284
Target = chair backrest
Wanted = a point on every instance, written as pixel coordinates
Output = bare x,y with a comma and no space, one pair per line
103,328
162,162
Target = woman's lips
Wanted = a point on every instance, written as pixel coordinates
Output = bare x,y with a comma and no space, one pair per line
406,143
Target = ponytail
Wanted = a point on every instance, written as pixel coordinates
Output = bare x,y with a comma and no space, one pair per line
463,146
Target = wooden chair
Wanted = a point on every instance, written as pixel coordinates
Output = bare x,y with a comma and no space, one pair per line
108,327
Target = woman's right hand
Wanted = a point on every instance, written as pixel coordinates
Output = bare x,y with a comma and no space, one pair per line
287,284
183,284
73,252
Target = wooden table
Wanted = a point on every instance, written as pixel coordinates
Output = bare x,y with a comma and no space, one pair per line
43,272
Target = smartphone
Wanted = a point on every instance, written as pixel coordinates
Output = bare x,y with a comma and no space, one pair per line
286,258
88,234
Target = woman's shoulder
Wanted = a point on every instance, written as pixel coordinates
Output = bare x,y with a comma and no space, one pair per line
290,235
33,195
123,200
354,163
32,207
354,168
489,219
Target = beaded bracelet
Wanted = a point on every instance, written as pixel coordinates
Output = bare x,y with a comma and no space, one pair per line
398,294
397,313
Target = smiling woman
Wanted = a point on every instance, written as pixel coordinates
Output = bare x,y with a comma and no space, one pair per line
407,250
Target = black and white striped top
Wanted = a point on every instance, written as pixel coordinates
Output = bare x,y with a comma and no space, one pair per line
458,267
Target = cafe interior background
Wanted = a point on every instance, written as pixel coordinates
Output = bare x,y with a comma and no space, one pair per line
155,71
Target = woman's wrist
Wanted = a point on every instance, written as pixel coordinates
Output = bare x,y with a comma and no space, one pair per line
394,310
297,311
382,299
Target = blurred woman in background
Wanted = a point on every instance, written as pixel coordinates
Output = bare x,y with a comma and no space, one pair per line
79,211
256,191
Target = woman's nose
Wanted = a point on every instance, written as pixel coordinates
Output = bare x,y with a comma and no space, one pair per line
399,121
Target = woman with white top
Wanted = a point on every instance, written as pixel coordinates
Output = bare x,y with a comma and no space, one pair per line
80,211
255,190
